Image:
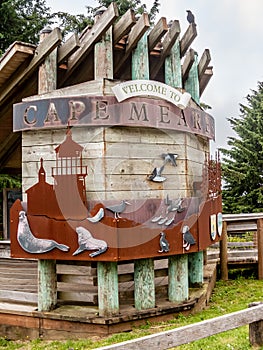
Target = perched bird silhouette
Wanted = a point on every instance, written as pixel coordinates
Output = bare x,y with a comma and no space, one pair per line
156,175
190,17
97,217
188,238
117,209
88,242
170,157
32,244
164,244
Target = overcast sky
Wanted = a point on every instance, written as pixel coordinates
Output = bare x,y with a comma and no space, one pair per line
233,32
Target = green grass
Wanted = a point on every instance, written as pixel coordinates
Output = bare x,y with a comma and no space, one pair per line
227,297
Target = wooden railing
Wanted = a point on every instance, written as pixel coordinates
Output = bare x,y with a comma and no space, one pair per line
240,223
187,334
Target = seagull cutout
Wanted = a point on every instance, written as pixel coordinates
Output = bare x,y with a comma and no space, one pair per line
97,217
190,17
156,175
117,209
164,244
188,238
170,157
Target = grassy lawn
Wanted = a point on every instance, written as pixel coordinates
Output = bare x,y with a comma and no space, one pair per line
232,295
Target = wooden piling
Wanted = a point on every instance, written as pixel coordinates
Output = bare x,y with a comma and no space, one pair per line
108,299
178,278
47,276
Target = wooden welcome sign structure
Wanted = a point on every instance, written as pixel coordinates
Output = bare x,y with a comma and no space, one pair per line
115,156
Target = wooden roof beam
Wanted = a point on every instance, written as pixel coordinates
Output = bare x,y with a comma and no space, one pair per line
135,35
90,38
168,42
158,31
67,49
204,62
188,38
205,78
123,26
41,52
188,62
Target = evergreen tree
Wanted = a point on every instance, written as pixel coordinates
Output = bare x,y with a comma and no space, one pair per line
136,5
242,164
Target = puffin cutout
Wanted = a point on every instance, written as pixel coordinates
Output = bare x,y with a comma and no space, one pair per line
32,244
164,244
188,238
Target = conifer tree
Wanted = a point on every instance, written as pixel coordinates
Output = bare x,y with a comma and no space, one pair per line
242,164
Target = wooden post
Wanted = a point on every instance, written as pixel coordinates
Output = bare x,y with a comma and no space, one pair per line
178,278
256,329
260,248
223,253
196,260
144,288
108,298
177,265
196,270
107,272
47,277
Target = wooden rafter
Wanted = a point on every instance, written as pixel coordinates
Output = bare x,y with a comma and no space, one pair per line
168,41
135,35
90,38
188,38
157,33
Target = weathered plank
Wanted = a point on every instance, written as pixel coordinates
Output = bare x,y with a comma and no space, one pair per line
190,333
134,36
123,26
144,288
108,288
205,78
167,44
188,38
68,48
91,37
103,57
188,63
157,33
192,82
47,278
204,63
178,278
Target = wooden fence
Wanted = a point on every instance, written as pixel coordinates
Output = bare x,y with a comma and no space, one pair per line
240,223
186,334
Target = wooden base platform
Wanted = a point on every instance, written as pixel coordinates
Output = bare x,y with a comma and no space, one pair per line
20,321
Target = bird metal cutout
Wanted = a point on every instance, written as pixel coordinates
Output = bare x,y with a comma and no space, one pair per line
188,238
190,17
117,209
32,244
87,242
164,244
97,217
156,175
